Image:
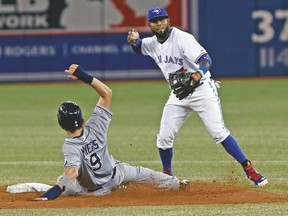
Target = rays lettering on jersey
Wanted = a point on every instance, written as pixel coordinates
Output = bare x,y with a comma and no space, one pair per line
168,60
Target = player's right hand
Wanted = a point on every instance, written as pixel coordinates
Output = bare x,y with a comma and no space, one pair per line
71,70
133,36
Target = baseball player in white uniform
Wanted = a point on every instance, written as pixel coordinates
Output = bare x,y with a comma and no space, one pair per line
89,169
173,49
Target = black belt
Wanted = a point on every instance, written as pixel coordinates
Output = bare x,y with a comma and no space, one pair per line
100,186
114,172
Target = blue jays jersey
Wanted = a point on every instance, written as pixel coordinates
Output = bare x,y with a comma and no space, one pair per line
180,50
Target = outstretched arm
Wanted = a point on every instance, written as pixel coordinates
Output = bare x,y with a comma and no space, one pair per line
70,174
77,72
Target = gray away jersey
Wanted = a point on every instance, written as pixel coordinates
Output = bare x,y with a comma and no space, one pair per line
89,152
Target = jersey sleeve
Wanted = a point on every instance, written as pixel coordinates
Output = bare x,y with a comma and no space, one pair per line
71,159
148,44
99,119
190,47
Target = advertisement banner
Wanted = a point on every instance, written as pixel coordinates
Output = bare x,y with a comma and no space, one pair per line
40,38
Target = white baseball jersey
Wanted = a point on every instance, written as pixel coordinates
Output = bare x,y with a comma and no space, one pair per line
180,50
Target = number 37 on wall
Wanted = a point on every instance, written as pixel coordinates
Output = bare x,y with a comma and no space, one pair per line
265,29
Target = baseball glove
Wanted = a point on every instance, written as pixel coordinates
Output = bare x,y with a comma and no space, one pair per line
184,83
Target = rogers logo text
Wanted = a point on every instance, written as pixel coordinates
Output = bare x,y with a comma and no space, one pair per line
27,14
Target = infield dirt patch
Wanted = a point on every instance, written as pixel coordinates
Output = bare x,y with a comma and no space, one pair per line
141,195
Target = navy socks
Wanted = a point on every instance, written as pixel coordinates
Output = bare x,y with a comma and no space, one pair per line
229,144
166,158
233,148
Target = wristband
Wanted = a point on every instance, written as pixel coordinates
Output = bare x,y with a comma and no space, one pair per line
138,42
53,192
82,75
203,68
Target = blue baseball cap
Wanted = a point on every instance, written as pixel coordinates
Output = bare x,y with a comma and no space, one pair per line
156,12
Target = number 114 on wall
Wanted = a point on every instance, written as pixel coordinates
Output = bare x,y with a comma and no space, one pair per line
270,57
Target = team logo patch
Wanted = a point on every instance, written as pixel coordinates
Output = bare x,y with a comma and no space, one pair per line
157,11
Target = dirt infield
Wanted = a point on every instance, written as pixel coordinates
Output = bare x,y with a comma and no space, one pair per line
140,195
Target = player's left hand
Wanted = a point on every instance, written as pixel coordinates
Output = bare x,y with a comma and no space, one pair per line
184,83
40,199
197,75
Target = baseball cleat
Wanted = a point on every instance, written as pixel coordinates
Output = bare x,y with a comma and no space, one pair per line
254,176
184,183
167,171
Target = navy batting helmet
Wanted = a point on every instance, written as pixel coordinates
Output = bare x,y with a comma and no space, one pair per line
70,116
